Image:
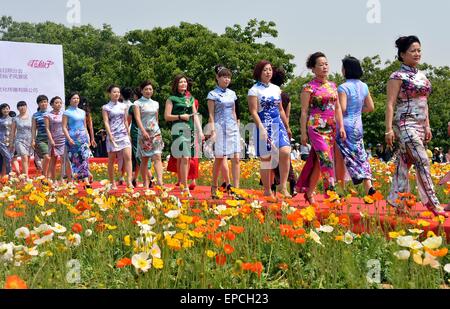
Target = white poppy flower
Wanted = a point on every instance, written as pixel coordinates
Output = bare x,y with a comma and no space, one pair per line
141,262
22,232
402,254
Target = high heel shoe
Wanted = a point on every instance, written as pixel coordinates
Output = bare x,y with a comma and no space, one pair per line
192,186
436,211
231,192
214,195
186,193
285,193
309,199
371,192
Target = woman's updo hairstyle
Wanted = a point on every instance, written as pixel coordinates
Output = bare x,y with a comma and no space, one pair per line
404,43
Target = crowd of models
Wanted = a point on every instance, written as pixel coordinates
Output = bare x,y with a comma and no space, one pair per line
330,120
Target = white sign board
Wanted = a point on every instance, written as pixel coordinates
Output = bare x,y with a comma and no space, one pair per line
28,70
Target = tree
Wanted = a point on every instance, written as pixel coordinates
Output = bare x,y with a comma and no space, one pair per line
95,58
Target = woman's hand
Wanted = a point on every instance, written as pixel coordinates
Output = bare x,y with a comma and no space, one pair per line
201,136
52,143
390,138
289,132
93,143
212,138
342,134
145,135
33,144
113,141
185,117
428,134
304,139
263,134
71,142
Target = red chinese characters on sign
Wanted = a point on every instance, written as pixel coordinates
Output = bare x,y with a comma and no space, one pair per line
40,64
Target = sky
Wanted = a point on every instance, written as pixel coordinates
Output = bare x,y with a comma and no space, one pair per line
337,28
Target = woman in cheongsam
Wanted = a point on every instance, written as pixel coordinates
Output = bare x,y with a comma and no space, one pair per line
354,99
5,142
320,111
180,109
56,138
407,93
21,135
39,138
77,139
272,129
149,139
224,129
118,139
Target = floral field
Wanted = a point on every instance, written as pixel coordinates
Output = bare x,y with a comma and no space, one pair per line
66,237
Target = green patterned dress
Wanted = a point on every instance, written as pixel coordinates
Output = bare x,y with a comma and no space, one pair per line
182,131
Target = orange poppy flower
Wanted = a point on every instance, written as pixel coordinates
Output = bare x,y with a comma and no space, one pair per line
14,214
123,262
77,228
14,282
236,229
221,259
437,253
228,249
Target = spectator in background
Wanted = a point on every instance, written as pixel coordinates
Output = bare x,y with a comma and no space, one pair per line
436,155
369,151
295,153
304,151
429,155
379,152
447,156
101,144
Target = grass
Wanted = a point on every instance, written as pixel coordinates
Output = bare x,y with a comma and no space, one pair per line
236,245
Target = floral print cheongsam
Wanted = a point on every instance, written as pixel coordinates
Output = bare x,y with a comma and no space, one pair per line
321,128
149,117
352,149
269,100
116,116
410,121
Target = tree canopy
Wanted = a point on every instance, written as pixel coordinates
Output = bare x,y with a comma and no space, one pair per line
95,58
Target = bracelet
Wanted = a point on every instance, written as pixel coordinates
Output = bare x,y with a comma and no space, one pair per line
179,117
387,133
